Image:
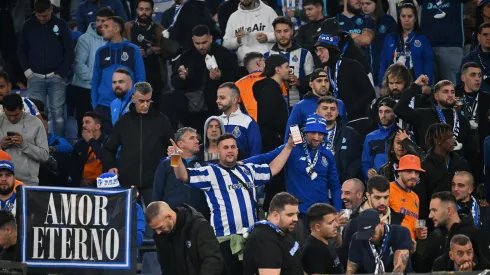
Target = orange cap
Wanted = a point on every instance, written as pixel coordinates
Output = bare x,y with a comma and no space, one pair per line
5,156
410,162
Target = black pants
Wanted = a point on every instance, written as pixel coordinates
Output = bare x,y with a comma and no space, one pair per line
233,266
83,104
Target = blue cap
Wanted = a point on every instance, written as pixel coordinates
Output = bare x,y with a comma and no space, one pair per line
483,2
7,165
108,180
366,224
328,41
315,123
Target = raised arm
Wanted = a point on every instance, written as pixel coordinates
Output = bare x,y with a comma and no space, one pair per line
278,163
180,171
401,260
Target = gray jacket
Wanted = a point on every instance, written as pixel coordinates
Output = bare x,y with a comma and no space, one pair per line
34,148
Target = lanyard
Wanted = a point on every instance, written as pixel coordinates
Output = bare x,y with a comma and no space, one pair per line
442,119
178,8
330,138
310,169
475,212
472,110
275,227
483,67
380,267
333,81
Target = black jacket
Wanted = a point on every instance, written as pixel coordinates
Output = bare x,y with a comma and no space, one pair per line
198,74
191,248
143,139
483,107
347,147
437,177
225,10
438,242
444,263
79,157
272,113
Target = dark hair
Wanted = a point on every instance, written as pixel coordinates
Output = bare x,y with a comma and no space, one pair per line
459,239
313,3
442,83
483,26
42,5
152,4
380,183
5,76
119,21
282,20
249,57
44,116
179,135
378,10
233,87
327,99
280,200
436,133
225,136
398,71
123,71
444,196
7,218
200,30
411,6
12,102
105,12
95,116
317,211
273,61
468,65
152,211
143,88
387,102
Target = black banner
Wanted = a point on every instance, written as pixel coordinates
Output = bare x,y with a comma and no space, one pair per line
76,230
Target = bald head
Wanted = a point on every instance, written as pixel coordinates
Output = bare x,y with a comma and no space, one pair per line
352,193
160,217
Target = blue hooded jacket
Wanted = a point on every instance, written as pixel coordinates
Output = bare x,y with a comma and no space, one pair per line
419,50
120,107
374,153
108,59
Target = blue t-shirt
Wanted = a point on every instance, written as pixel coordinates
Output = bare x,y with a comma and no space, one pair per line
360,252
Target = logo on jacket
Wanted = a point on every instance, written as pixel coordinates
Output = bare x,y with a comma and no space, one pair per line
236,132
382,29
124,56
188,244
197,165
359,21
90,13
324,161
56,30
295,58
417,43
107,58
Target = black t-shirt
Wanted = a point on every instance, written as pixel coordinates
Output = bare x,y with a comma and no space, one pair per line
265,248
320,258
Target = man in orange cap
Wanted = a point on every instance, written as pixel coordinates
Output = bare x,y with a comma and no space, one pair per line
5,156
402,198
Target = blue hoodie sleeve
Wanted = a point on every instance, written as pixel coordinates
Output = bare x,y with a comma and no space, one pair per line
254,138
96,79
139,66
64,146
265,158
428,59
366,160
385,58
333,181
294,118
140,225
159,182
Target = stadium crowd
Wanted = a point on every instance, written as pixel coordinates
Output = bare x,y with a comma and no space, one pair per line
262,137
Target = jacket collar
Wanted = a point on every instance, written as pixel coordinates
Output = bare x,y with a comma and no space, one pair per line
293,47
390,129
234,114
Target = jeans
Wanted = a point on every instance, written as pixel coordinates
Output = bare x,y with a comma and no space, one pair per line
51,89
448,60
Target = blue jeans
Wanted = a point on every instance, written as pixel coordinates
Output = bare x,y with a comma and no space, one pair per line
52,89
448,60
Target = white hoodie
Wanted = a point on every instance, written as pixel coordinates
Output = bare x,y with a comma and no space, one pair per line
252,22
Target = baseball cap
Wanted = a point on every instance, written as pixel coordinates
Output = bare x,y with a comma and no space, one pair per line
315,123
366,224
317,73
5,156
330,26
328,41
410,162
388,102
7,165
108,180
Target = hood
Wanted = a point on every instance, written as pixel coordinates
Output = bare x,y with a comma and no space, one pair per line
222,126
92,31
293,47
258,6
185,215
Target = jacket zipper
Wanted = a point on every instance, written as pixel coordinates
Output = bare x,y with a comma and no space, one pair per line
141,148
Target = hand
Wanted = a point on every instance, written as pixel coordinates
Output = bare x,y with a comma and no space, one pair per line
6,142
215,74
426,90
422,80
290,144
136,189
261,37
341,220
30,76
468,266
156,49
414,246
173,148
183,72
422,235
355,35
372,172
114,170
52,149
17,139
142,51
293,80
402,134
87,135
58,76
239,35
21,85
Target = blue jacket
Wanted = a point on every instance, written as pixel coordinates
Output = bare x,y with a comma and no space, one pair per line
485,59
385,25
419,49
108,59
306,107
46,48
61,144
167,188
245,130
87,12
120,107
443,32
374,153
299,184
140,225
87,46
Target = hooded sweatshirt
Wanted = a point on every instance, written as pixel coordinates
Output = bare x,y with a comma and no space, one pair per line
108,59
256,20
204,148
87,46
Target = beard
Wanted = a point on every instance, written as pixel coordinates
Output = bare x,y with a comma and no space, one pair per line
353,10
7,190
447,105
120,93
144,19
